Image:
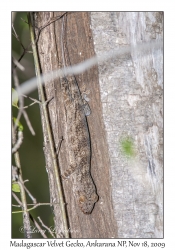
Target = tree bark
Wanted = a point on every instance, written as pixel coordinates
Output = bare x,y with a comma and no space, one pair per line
100,223
126,100
131,89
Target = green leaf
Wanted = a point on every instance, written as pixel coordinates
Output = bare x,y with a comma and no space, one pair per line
15,99
19,125
15,187
127,146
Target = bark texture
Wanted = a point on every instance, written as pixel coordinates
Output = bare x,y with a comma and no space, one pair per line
126,95
100,223
131,90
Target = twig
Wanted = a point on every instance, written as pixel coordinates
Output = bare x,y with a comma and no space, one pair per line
24,20
19,142
17,37
17,199
35,206
13,16
79,68
15,173
28,122
30,195
31,217
18,65
21,101
26,220
25,50
35,101
38,226
53,19
38,204
26,107
13,205
46,227
48,129
21,106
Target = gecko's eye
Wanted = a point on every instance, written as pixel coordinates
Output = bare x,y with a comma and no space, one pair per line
82,199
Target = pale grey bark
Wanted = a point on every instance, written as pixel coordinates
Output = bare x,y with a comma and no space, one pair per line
132,100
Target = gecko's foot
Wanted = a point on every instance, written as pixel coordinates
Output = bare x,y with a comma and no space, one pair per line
86,108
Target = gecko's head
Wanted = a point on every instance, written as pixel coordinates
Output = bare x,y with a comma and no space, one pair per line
86,202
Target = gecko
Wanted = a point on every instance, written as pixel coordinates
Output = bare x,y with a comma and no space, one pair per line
78,136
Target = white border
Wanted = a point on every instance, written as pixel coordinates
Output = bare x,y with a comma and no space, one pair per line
169,97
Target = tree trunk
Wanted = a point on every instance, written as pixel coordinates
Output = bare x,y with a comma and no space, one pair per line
100,223
126,121
131,89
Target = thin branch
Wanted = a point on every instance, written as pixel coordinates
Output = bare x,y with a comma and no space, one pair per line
24,20
13,205
15,173
26,220
21,106
17,199
21,101
53,19
13,16
17,37
35,206
26,50
48,129
19,142
34,101
46,227
30,195
31,217
38,227
18,65
28,122
141,48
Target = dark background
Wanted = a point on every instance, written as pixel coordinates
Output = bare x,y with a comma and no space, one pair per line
31,150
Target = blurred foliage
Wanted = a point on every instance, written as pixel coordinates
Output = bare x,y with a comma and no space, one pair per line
31,150
15,187
18,124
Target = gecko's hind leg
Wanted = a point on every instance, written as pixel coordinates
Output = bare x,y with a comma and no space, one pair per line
86,108
86,99
69,172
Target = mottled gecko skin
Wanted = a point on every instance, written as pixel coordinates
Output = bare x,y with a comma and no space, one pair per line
78,146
